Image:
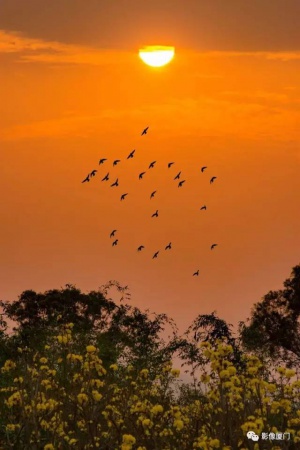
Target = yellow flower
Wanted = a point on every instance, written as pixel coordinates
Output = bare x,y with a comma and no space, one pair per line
43,360
157,409
178,424
49,447
175,372
91,349
82,398
97,396
113,367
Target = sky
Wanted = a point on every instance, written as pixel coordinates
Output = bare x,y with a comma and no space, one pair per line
73,90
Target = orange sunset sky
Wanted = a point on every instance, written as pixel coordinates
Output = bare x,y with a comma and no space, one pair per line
73,90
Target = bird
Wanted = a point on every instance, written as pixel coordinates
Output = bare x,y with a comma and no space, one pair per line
131,154
140,248
181,183
116,183
170,164
155,255
151,165
152,194
203,207
145,131
86,179
115,242
93,173
155,214
177,176
213,246
168,247
212,179
196,273
141,175
123,196
116,161
203,168
106,178
102,160
113,233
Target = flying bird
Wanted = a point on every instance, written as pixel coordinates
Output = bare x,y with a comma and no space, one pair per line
140,248
155,255
86,179
131,154
152,194
106,178
170,164
177,176
141,175
155,214
93,173
145,131
196,273
123,196
116,183
115,242
203,207
116,161
168,247
102,160
212,179
213,246
151,165
181,183
113,233
203,168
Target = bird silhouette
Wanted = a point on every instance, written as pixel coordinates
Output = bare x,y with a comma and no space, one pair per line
151,165
152,194
116,183
177,176
181,183
116,161
155,255
203,168
140,248
115,242
196,273
168,247
212,179
86,179
203,207
106,178
112,233
155,214
123,196
145,131
131,154
141,175
213,246
93,173
170,164
101,161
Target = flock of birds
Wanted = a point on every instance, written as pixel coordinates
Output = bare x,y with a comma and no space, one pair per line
123,196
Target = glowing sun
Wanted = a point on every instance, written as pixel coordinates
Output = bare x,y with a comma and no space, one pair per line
156,55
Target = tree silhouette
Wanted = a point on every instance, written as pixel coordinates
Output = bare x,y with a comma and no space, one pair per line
274,325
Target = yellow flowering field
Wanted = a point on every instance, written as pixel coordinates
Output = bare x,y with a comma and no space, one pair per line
61,398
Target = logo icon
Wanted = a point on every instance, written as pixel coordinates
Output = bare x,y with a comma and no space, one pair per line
251,435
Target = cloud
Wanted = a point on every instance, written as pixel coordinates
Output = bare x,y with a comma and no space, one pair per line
38,50
42,51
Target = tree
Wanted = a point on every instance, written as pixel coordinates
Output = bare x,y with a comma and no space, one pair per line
274,325
119,330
